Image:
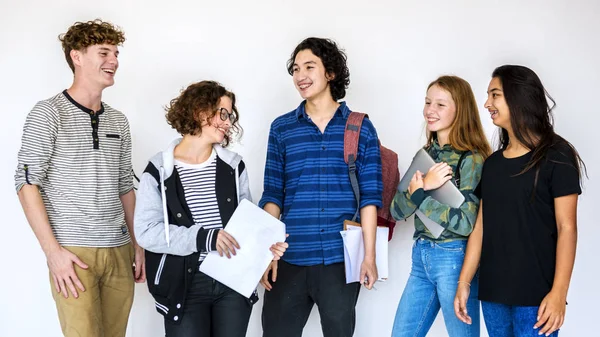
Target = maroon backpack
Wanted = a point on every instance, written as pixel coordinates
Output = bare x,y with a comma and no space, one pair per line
389,170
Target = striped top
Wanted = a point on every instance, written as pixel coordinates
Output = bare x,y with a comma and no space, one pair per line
306,176
198,181
81,161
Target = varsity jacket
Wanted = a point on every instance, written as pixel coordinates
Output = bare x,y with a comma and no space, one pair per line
164,226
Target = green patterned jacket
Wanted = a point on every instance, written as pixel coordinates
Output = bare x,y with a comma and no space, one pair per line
458,222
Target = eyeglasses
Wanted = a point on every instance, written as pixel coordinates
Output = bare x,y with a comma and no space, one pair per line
224,114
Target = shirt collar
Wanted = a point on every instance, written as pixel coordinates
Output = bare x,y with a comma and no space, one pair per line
342,109
81,107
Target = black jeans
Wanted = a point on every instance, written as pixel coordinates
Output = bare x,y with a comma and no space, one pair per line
211,310
288,305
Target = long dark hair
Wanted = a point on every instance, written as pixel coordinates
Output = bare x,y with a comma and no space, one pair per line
531,117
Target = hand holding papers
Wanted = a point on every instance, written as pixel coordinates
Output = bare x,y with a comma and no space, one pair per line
255,230
354,252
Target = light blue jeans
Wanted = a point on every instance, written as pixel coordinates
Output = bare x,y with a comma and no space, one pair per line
503,320
431,286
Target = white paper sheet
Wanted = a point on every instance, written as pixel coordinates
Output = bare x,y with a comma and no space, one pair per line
255,230
354,252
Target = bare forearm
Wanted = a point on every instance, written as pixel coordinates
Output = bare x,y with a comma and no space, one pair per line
472,258
473,253
35,212
273,209
565,258
128,202
368,220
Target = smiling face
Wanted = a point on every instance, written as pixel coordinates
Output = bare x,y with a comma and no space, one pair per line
439,111
309,75
496,104
216,130
96,65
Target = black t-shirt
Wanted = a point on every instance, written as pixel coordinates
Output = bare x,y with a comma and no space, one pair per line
518,254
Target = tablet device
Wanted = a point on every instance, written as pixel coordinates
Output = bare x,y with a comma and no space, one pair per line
447,194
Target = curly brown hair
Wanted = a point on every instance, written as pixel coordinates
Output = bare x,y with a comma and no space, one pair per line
197,103
84,34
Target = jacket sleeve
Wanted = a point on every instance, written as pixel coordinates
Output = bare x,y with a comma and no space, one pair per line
244,183
459,220
402,207
149,225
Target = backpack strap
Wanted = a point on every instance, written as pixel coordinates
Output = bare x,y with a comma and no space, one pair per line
351,136
458,164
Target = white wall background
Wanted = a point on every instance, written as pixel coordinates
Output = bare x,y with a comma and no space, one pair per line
395,49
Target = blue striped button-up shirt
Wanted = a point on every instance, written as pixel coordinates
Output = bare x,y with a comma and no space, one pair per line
306,176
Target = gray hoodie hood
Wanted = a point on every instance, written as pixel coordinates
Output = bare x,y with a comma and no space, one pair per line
165,159
151,222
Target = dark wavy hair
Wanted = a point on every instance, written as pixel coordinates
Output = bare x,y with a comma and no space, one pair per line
199,102
531,118
334,61
84,34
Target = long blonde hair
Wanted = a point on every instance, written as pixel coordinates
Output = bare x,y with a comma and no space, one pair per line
466,131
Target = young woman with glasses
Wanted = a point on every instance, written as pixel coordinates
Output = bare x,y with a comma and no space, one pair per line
187,195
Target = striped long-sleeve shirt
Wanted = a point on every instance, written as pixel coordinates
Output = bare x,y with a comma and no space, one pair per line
458,222
306,176
198,181
81,162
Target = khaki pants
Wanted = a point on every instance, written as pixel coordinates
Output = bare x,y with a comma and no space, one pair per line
102,310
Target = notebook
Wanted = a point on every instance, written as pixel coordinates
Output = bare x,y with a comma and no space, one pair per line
447,194
354,251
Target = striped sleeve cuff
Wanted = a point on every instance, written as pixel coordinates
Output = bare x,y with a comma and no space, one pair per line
125,188
368,200
27,175
267,198
206,240
211,240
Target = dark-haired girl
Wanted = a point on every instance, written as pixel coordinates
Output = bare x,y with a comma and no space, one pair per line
526,232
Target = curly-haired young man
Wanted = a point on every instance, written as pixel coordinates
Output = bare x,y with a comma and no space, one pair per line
307,185
75,185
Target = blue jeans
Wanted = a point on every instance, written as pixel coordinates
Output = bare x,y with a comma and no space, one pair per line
431,286
503,320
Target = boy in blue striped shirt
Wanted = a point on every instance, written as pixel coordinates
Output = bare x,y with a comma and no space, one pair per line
307,186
